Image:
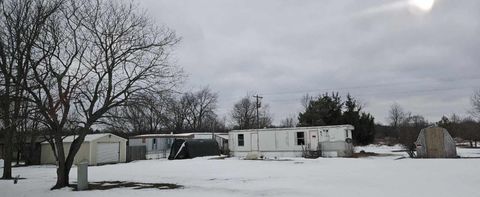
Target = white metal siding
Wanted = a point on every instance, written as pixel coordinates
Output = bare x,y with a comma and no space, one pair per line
283,142
108,152
267,141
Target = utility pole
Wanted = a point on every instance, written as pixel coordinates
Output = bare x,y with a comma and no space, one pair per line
214,122
258,105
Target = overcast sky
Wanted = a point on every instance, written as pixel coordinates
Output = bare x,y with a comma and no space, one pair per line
378,50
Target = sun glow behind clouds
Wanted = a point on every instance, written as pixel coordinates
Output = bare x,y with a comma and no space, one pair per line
423,5
414,6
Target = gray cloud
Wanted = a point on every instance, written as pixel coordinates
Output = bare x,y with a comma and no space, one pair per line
428,63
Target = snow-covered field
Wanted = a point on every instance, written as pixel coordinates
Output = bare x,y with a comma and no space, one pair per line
371,176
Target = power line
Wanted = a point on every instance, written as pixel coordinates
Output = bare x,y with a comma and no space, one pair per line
390,92
407,93
450,79
445,79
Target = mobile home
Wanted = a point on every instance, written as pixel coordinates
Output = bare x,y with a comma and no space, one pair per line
327,141
221,138
157,145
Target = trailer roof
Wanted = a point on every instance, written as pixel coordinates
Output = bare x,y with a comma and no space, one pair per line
180,135
88,137
295,128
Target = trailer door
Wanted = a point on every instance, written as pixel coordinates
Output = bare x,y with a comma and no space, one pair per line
254,142
313,141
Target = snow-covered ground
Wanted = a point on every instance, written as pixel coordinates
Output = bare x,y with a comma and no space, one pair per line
468,152
396,151
371,176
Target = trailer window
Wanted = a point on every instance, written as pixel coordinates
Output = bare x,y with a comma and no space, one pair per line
241,140
326,133
154,143
300,138
346,133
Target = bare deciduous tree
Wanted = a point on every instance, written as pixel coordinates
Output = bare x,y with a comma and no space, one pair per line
20,26
305,101
127,54
476,104
200,109
288,122
145,113
469,129
95,56
409,130
244,114
396,115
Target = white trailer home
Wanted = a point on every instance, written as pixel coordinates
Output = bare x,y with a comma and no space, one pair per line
326,141
221,138
157,145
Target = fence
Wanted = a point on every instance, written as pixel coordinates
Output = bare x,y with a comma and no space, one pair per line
136,153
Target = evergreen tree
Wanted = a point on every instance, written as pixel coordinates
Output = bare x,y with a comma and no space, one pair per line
364,132
331,110
351,115
325,110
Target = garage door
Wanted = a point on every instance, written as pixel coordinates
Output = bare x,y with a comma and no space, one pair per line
108,152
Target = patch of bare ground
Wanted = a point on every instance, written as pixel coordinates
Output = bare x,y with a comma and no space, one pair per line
106,185
370,154
364,154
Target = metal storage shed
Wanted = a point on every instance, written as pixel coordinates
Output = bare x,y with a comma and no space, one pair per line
435,142
102,148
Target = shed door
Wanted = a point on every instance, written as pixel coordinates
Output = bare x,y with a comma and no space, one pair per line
108,152
435,142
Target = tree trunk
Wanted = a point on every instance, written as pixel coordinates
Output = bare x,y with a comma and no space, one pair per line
31,149
471,143
65,164
7,162
62,175
9,130
18,158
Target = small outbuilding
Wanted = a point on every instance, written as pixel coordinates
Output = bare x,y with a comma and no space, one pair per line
435,142
187,149
101,148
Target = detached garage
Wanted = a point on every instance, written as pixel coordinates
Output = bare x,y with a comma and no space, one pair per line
102,148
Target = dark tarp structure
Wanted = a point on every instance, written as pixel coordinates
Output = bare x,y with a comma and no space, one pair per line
191,148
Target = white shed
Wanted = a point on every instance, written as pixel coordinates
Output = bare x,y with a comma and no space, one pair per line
328,141
101,148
